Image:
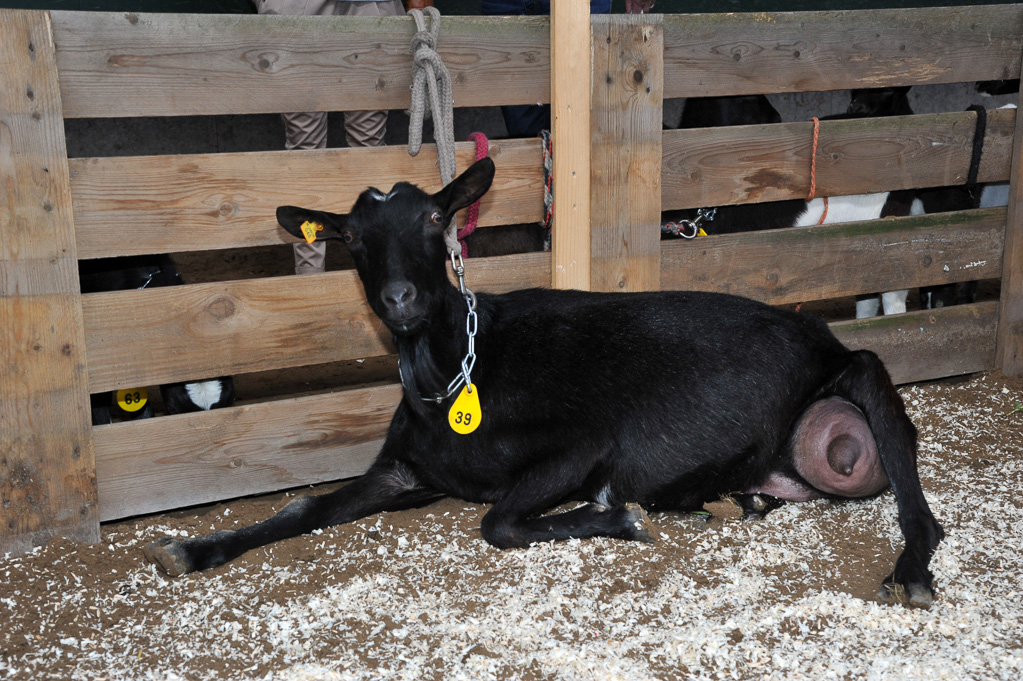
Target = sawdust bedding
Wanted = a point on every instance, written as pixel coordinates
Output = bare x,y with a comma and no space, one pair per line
418,595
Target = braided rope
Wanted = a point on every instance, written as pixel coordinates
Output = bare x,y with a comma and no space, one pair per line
813,158
813,170
472,216
431,78
548,188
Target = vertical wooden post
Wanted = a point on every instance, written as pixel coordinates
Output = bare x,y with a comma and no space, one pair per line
47,467
570,120
625,162
1009,349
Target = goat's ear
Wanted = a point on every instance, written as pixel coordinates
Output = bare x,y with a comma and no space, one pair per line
467,187
291,218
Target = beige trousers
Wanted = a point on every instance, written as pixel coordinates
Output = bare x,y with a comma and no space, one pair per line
309,130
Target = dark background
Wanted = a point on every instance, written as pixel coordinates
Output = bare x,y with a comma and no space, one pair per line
472,6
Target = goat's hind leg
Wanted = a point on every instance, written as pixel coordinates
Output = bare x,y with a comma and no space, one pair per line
866,384
515,520
385,487
507,528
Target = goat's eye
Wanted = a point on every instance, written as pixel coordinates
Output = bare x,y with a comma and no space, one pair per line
347,236
436,218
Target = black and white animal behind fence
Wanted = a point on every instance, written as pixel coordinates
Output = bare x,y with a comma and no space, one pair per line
707,112
624,401
700,112
138,272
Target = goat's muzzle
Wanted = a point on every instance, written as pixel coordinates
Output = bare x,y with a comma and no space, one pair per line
400,302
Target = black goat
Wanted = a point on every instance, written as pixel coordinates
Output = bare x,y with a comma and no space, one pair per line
994,88
148,271
661,400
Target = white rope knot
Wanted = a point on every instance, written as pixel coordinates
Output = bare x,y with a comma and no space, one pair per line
431,78
423,39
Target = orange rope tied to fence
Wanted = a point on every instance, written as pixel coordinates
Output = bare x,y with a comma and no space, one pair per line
813,169
813,178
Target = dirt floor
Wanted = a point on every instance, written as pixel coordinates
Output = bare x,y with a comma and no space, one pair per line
419,595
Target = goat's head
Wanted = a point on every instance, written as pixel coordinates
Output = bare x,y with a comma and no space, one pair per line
882,101
397,242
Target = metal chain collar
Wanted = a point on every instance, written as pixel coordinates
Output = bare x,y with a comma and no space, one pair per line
471,326
689,229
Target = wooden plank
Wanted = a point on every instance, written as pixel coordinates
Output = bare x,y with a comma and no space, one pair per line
159,64
47,466
830,261
1010,325
733,54
570,123
929,344
154,336
157,464
722,166
128,64
210,201
625,163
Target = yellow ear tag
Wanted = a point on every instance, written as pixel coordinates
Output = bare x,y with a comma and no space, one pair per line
309,230
465,413
700,232
132,400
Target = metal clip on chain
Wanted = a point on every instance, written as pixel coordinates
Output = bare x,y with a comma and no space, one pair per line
680,228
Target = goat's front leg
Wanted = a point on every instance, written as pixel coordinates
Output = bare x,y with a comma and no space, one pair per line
515,520
387,486
894,302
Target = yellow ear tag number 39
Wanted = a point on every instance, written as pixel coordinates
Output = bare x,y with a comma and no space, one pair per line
309,230
132,400
465,413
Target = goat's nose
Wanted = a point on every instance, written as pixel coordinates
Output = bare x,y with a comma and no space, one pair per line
397,294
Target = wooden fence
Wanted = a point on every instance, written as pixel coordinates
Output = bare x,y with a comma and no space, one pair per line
61,476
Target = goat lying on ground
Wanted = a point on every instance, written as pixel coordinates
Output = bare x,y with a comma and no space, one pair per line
659,400
149,271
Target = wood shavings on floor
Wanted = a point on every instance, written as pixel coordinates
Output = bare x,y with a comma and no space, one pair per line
418,595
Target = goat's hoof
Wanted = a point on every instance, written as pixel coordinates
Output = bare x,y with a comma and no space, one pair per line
169,556
756,506
914,595
643,527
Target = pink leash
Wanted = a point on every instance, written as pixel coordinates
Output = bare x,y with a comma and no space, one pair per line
473,216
